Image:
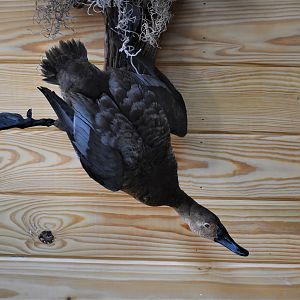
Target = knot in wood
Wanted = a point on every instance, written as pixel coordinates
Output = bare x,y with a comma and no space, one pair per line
46,237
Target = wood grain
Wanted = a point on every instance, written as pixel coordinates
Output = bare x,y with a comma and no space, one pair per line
108,225
218,99
21,38
202,32
234,32
237,66
223,166
115,279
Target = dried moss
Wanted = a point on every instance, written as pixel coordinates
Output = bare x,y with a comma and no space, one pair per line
154,18
53,15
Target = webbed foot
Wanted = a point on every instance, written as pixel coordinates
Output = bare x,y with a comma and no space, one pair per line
13,120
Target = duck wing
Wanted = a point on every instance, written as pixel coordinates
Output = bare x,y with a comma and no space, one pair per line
141,108
104,140
165,95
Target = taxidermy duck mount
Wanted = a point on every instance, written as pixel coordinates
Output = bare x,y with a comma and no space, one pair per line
119,119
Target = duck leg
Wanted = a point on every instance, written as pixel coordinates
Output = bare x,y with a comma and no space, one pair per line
14,120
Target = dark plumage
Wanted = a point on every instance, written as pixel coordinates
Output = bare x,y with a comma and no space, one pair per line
116,122
119,124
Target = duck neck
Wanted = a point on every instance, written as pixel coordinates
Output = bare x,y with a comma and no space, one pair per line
186,206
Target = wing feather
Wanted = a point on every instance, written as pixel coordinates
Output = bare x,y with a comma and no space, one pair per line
169,99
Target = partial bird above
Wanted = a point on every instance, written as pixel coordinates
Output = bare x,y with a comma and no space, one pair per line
119,123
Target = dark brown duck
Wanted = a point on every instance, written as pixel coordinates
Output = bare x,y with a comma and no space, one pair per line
119,124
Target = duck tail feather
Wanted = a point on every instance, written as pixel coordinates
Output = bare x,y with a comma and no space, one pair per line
63,111
59,56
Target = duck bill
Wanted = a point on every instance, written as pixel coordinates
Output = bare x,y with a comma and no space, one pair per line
227,241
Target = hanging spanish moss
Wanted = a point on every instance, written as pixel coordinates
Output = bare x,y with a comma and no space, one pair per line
53,15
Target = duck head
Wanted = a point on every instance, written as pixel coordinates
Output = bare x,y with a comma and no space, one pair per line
206,224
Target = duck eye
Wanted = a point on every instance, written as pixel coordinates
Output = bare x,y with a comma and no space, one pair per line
206,225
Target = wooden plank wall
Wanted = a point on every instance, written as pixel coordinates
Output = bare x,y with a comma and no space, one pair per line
236,63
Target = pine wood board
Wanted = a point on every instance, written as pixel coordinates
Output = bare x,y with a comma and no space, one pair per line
218,99
115,226
234,32
202,32
250,180
114,279
223,166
